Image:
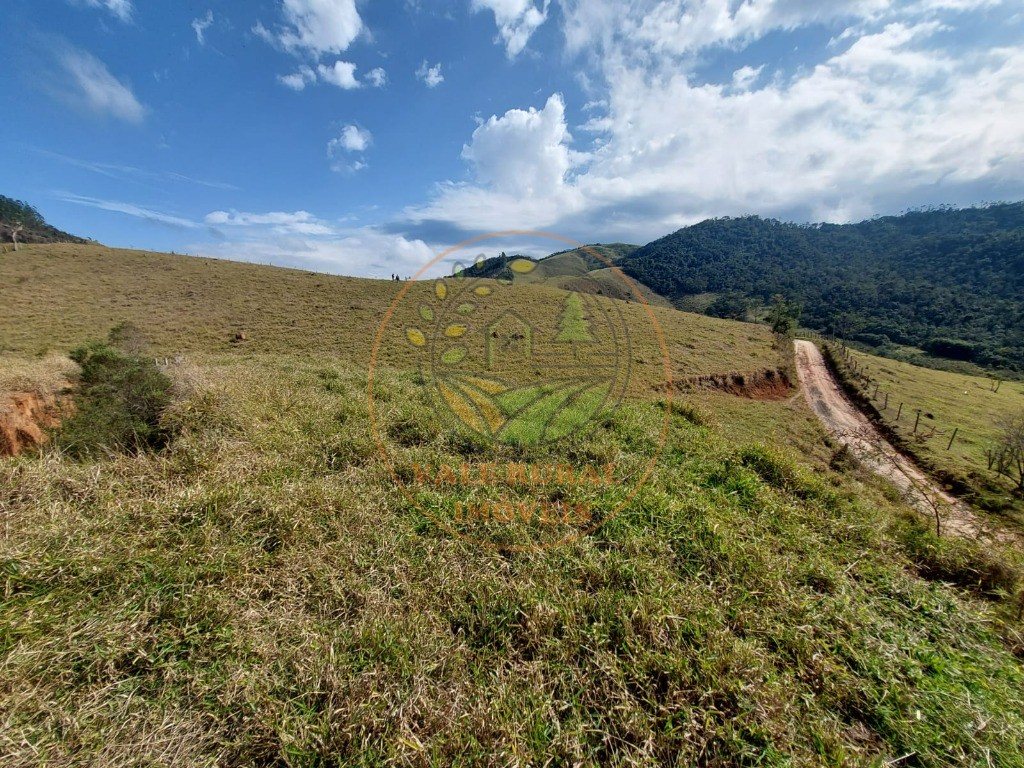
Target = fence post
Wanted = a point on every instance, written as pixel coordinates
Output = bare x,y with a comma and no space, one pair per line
952,438
875,396
886,406
899,411
918,419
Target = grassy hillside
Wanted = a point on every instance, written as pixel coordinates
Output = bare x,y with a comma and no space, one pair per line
947,401
945,281
261,592
58,296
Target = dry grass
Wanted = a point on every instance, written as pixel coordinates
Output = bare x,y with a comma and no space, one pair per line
58,296
262,594
45,375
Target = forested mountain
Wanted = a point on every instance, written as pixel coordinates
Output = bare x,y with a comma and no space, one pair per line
948,281
23,221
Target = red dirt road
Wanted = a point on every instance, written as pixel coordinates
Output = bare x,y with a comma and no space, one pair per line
852,428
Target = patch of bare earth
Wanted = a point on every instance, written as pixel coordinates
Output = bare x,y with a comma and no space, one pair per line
763,384
31,401
24,417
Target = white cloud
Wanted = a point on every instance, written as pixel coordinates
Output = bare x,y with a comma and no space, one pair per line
315,27
341,74
131,173
376,77
431,75
899,117
522,152
352,139
516,20
88,84
130,209
200,25
359,251
746,76
299,79
279,222
122,9
683,26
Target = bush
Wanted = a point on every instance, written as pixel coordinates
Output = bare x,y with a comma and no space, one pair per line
118,403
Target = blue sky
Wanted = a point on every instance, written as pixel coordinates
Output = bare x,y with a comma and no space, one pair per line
365,137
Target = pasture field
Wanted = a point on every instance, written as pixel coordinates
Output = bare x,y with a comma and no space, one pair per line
58,296
948,401
261,593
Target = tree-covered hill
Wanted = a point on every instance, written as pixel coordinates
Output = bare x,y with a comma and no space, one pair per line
569,263
948,281
19,219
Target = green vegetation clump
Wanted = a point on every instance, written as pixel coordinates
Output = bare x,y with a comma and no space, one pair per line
118,403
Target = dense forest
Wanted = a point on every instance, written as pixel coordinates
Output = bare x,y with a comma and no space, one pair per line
947,281
22,218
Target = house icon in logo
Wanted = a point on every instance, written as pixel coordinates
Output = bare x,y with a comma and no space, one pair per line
508,337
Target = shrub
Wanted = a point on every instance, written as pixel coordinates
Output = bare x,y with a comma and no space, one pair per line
118,403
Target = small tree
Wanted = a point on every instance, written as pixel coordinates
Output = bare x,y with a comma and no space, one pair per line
782,315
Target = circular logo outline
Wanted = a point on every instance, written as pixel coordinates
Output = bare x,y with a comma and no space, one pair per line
382,448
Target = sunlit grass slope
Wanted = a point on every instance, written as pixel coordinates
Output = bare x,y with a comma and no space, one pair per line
57,296
263,594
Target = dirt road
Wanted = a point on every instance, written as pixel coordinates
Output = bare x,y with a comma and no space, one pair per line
846,422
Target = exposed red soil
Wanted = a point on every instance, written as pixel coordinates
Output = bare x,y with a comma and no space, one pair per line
24,417
765,384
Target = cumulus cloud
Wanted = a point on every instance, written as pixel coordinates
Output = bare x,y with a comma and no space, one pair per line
352,139
86,83
341,74
523,152
516,20
431,75
200,25
895,115
315,27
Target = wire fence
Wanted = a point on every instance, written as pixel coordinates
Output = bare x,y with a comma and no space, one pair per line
922,424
